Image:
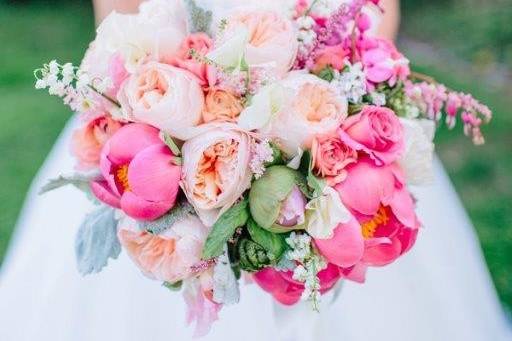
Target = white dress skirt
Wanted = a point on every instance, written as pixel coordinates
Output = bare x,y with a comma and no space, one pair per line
441,290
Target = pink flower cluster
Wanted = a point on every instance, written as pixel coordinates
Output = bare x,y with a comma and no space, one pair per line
433,99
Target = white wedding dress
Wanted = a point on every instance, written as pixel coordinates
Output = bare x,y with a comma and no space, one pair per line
441,290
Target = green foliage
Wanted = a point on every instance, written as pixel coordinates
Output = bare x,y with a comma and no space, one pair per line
224,228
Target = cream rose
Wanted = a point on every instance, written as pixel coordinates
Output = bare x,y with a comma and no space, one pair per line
417,160
155,33
216,169
296,110
262,37
163,96
324,213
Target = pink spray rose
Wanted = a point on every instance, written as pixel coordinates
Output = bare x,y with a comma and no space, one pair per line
379,200
169,256
288,291
330,158
88,140
376,131
201,43
165,97
139,174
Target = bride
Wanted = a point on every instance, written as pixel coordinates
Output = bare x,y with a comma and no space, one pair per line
440,291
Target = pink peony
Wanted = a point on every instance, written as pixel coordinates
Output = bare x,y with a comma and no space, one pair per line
375,131
87,141
379,200
288,291
201,43
139,175
330,158
169,256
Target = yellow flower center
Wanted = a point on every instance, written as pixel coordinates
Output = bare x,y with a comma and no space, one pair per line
122,177
368,228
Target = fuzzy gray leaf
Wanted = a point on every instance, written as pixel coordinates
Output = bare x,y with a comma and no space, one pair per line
178,213
199,19
225,285
96,241
80,181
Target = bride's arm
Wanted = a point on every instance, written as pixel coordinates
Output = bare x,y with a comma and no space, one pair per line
102,8
391,19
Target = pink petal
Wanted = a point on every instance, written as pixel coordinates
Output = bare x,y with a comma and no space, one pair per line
383,253
378,74
129,141
346,247
153,176
139,208
403,206
102,191
357,273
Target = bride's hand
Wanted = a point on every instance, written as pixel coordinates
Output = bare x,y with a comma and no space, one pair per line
102,8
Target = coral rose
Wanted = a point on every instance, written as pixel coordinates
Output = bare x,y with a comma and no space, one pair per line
87,141
330,158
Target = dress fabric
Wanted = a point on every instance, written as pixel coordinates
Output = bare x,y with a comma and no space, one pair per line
441,290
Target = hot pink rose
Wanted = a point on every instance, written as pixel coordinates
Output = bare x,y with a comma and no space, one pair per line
333,56
201,43
139,174
169,256
88,140
379,200
375,131
330,158
288,291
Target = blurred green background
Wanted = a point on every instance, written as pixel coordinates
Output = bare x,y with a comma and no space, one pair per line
465,43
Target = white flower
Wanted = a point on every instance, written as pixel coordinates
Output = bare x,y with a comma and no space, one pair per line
351,83
230,53
378,98
54,67
261,153
417,161
263,108
41,84
325,213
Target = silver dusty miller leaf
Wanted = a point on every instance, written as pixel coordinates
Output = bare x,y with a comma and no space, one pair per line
178,213
80,181
225,284
199,19
96,241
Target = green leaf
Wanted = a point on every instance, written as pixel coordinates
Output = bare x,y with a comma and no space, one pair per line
224,228
170,143
173,286
268,192
315,184
274,244
326,74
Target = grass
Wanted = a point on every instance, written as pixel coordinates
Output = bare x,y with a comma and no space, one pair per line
31,120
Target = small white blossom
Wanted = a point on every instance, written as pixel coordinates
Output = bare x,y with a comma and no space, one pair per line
41,84
310,264
351,82
378,98
54,67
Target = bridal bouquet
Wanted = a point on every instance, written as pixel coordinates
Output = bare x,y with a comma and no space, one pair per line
273,142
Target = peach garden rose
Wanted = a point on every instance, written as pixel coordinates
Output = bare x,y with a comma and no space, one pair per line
221,106
163,96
